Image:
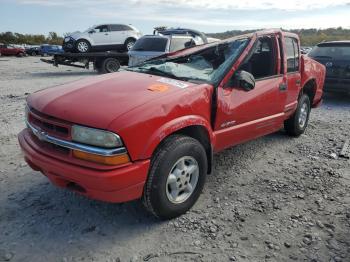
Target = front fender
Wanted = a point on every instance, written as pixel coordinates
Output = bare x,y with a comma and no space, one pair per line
172,127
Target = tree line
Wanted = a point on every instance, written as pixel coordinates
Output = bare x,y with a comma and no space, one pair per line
30,39
308,37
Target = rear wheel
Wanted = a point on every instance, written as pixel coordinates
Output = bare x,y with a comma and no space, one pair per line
83,46
129,44
33,53
176,178
297,123
109,65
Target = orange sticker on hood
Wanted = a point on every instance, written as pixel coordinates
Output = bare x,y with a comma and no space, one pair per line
158,88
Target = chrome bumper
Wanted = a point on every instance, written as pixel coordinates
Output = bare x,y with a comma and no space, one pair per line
43,136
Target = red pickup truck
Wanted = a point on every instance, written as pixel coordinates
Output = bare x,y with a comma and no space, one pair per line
150,132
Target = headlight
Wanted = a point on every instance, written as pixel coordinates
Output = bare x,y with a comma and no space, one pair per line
95,137
66,39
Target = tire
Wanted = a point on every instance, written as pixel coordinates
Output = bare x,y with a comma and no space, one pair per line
109,65
171,189
33,53
297,123
129,43
20,54
83,46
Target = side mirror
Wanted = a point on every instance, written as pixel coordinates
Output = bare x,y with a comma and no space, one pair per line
92,31
244,80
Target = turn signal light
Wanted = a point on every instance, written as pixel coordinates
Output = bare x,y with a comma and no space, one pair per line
106,160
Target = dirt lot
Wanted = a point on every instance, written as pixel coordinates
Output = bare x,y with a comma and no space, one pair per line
273,199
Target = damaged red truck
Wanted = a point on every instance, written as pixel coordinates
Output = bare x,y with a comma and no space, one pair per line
150,132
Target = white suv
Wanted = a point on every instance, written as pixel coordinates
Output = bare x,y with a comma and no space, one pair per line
103,37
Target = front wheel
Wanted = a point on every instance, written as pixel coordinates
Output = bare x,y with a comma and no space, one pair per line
83,46
176,178
297,123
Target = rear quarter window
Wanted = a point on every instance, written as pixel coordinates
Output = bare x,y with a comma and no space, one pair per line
292,54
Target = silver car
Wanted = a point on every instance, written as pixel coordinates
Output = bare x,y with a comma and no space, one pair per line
150,46
103,37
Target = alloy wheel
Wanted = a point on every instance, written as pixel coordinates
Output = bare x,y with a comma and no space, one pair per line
182,180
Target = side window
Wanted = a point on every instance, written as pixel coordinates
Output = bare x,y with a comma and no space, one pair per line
117,28
180,43
262,62
296,54
126,28
292,53
102,28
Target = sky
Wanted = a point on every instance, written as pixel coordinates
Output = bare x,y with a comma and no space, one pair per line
63,16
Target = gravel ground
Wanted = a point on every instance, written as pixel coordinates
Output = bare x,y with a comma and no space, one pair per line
273,199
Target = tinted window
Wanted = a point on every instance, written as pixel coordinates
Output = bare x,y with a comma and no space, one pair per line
126,28
336,51
102,28
120,28
156,44
180,43
292,53
117,28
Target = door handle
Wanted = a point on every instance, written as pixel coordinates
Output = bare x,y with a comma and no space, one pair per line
106,33
283,87
298,81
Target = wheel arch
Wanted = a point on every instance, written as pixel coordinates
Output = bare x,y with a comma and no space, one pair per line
85,39
194,127
129,38
309,89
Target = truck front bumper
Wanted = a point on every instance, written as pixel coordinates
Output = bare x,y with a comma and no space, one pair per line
117,185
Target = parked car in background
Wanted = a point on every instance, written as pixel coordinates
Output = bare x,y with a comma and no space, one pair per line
151,46
104,37
11,50
33,50
335,56
150,132
48,50
197,35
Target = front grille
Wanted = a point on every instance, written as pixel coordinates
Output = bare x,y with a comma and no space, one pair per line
48,124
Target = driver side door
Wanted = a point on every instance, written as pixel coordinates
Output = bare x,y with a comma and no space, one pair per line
244,115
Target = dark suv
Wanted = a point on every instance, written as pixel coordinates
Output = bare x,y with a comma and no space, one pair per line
336,57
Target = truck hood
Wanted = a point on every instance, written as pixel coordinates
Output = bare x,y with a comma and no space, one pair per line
97,101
